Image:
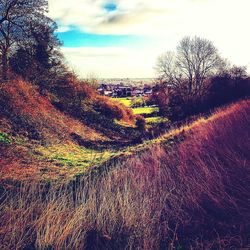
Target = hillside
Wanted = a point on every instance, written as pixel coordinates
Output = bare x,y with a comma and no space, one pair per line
187,189
48,135
27,112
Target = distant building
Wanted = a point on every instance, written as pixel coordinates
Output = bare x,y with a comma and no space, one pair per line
122,90
108,93
137,92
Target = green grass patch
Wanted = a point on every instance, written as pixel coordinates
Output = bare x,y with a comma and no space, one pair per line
73,156
145,110
128,101
4,138
125,100
155,120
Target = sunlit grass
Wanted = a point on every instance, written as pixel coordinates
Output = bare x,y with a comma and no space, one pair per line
128,101
155,120
124,124
124,100
182,130
145,110
74,156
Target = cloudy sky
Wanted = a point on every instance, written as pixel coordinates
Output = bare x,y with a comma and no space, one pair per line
122,38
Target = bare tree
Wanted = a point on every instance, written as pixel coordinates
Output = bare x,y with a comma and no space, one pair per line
166,67
188,68
92,79
16,19
238,72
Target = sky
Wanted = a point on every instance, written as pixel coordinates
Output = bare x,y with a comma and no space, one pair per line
123,38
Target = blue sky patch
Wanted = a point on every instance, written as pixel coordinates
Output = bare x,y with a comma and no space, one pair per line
76,38
110,7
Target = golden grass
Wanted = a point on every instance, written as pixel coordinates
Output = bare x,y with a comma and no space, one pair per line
25,102
193,194
52,162
74,158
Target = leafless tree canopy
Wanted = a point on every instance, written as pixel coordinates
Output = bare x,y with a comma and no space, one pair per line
16,20
188,68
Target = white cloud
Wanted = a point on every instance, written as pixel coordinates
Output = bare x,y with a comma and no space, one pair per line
225,22
62,29
131,16
154,16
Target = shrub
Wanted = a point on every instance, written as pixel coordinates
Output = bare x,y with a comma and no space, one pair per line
109,109
224,89
72,92
138,102
112,109
220,90
80,99
140,123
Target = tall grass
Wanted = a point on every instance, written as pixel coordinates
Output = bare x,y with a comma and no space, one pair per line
194,194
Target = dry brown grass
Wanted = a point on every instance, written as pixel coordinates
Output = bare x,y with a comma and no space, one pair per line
192,195
27,115
23,103
76,96
115,110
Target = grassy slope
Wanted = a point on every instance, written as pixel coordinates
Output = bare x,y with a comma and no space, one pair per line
188,188
37,117
39,141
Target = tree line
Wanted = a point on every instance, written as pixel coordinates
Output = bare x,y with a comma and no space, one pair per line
195,77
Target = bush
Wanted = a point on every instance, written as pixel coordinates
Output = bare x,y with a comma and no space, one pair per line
138,102
71,92
113,110
224,89
170,103
140,123
109,109
80,99
221,90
